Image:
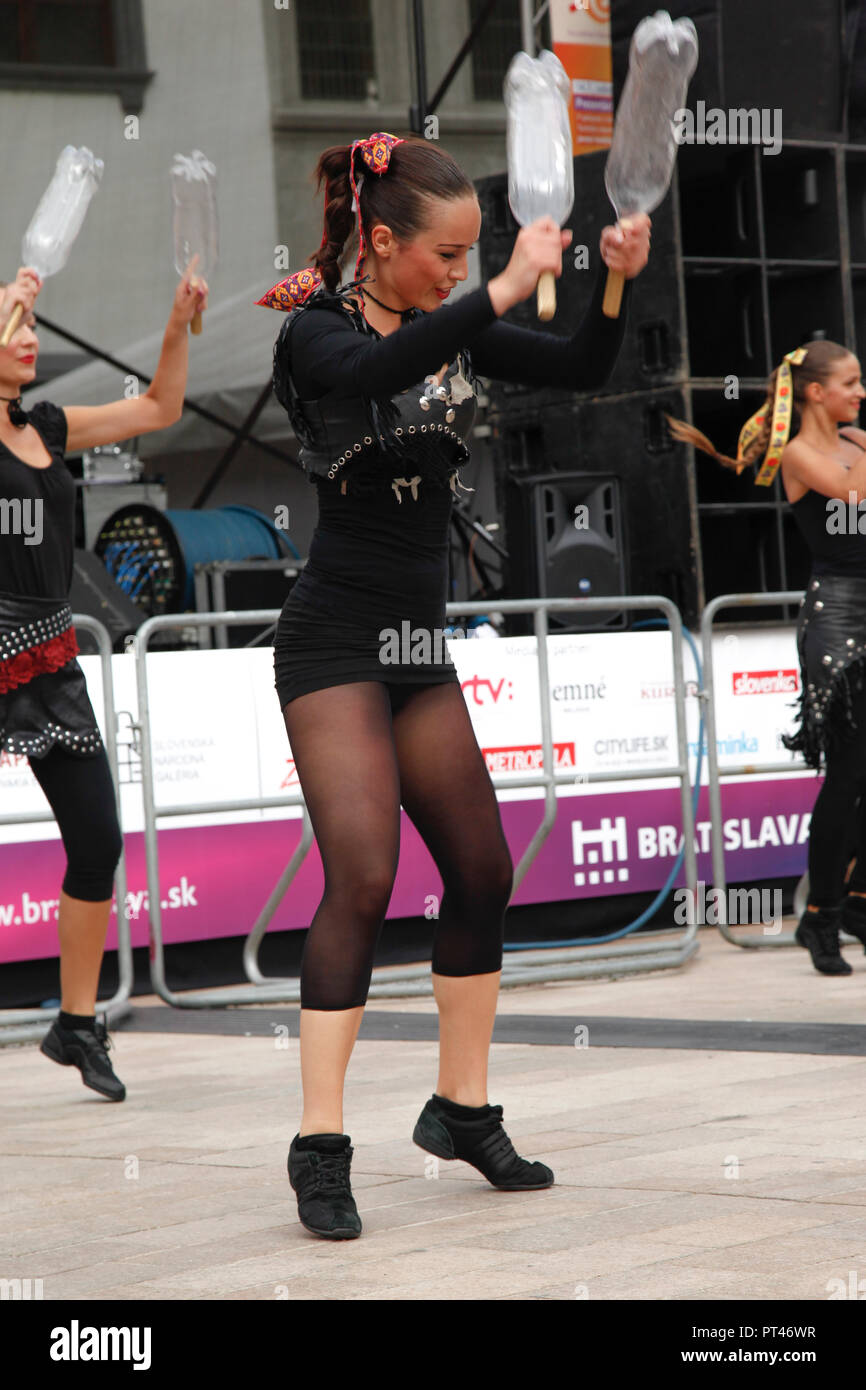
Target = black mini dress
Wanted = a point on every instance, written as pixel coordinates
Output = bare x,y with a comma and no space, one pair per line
369,604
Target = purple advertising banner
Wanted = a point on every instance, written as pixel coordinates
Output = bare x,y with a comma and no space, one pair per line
215,879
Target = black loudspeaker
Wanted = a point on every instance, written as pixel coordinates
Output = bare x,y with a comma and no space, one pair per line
566,536
623,442
856,69
789,55
255,589
94,592
752,255
652,353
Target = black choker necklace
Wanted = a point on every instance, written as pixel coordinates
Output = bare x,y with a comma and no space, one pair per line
17,413
381,305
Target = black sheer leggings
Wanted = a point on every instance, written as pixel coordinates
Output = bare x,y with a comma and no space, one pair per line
360,749
838,827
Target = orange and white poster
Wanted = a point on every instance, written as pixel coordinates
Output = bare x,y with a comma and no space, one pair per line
580,31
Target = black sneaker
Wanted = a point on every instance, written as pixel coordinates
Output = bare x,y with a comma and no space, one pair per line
320,1177
483,1143
86,1049
818,933
852,917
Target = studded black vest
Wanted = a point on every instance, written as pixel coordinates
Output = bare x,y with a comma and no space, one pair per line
408,442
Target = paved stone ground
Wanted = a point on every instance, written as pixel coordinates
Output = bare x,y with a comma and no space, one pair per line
682,1173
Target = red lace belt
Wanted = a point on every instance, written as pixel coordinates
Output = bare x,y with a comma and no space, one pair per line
39,644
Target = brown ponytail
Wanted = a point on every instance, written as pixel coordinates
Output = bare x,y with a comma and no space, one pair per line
333,171
817,365
418,172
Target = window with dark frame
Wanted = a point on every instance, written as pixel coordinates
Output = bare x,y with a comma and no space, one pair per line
75,46
63,33
335,47
499,40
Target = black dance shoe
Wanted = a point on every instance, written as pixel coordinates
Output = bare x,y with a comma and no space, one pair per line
320,1177
482,1142
852,917
818,933
86,1049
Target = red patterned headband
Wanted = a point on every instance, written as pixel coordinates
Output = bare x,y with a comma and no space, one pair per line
293,291
376,154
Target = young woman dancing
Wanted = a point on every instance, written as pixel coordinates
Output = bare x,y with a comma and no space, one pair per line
45,711
369,732
823,470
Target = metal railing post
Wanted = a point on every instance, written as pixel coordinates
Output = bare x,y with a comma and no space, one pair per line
715,773
272,990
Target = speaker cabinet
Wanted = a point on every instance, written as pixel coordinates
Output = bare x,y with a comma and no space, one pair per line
565,532
755,53
641,513
752,255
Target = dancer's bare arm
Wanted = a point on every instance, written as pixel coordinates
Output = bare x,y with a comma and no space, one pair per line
162,403
821,473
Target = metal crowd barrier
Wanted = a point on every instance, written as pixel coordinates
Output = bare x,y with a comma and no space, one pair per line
715,773
530,966
26,1025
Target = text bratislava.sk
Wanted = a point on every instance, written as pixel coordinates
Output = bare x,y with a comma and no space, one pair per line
29,910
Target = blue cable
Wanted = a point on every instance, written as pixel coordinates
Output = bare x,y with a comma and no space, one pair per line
663,892
146,574
131,569
124,560
112,559
125,576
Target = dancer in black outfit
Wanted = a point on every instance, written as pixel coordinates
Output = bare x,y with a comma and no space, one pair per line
823,470
45,711
369,732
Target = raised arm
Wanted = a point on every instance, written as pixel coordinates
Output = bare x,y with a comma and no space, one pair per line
162,403
582,362
327,354
23,290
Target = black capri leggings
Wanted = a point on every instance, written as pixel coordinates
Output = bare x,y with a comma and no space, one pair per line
80,792
361,749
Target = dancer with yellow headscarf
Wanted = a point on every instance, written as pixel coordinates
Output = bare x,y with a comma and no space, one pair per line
824,476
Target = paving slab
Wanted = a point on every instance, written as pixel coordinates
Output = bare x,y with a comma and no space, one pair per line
692,1161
